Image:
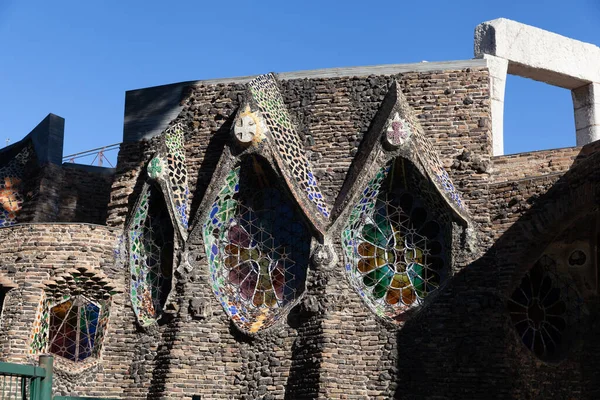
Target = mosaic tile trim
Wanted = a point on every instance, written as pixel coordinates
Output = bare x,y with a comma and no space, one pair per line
11,175
266,93
169,166
546,310
258,254
433,164
394,249
39,333
150,238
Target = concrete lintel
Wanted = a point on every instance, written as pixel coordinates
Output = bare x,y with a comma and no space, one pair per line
538,54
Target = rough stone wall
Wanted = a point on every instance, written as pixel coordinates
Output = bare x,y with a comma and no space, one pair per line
84,195
331,345
67,194
538,163
528,215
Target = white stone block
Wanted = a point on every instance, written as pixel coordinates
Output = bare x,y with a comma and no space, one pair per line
538,54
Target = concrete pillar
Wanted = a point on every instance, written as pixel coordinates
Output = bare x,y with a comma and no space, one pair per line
586,103
498,68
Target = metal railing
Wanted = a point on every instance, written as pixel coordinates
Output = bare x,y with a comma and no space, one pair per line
26,382
98,153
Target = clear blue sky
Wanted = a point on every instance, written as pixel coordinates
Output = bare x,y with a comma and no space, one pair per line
76,59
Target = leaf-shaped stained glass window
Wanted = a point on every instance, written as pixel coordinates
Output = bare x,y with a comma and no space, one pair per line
395,243
150,238
258,247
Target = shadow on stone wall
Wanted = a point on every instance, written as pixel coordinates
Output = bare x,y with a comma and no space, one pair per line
303,381
463,345
214,148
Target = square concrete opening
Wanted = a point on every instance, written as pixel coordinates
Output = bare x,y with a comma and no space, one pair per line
537,116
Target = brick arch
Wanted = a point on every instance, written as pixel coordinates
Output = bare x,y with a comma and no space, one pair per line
544,304
6,285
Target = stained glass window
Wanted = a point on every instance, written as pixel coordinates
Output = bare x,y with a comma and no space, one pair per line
11,196
395,245
2,296
258,248
73,328
545,310
151,237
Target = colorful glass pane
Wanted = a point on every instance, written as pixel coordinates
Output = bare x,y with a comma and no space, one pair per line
545,309
150,256
258,249
11,176
394,248
73,328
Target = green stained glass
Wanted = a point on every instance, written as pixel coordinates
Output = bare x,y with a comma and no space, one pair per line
388,242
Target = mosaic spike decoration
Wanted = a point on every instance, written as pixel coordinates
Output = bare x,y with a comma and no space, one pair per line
265,92
11,198
150,239
546,311
73,328
169,167
258,253
39,333
403,129
394,249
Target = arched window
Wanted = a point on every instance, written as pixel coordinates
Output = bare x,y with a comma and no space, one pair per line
545,309
396,241
151,236
548,308
258,247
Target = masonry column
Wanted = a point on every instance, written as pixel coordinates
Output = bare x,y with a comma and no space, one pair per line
586,103
498,68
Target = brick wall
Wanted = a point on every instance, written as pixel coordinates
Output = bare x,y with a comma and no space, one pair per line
67,194
537,163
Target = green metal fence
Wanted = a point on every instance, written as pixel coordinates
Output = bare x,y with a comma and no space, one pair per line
26,382
30,382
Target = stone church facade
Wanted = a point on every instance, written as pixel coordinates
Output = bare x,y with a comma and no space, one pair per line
333,234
